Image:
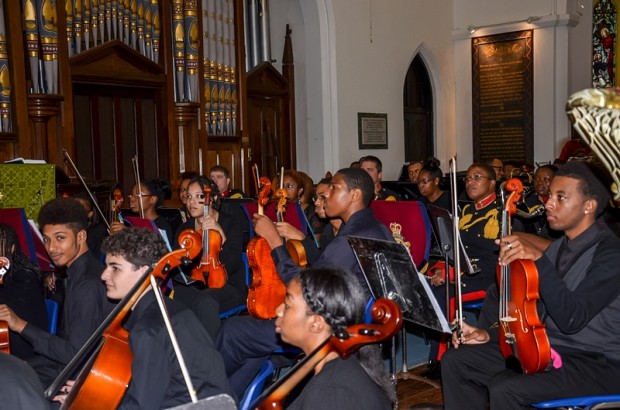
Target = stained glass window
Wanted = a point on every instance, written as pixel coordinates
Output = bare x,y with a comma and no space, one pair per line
604,17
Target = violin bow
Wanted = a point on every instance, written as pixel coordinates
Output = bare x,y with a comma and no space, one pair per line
456,248
173,339
136,174
90,194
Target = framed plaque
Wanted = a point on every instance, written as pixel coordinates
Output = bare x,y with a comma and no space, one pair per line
503,97
372,131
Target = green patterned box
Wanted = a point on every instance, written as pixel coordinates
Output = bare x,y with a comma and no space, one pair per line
27,186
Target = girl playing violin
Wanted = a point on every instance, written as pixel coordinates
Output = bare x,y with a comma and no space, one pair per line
229,222
319,302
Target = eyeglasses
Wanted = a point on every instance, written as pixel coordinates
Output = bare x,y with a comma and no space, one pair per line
475,177
424,181
139,195
196,197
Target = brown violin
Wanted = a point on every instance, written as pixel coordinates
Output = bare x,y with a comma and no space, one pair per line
294,247
210,266
104,378
266,291
522,337
387,320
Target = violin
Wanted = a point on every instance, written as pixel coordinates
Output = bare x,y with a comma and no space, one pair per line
522,337
104,378
210,266
387,320
294,247
266,291
5,345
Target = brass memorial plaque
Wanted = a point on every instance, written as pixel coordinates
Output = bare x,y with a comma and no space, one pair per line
503,97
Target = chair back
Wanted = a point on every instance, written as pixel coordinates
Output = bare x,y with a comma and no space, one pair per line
257,386
293,215
52,315
415,226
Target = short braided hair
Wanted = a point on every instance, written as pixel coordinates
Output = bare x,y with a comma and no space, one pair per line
335,294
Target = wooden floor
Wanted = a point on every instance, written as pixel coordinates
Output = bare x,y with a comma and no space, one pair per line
412,391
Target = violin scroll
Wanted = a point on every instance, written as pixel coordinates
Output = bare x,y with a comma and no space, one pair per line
387,320
191,245
515,187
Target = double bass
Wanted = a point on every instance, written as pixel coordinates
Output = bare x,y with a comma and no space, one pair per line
104,377
210,266
266,290
522,337
387,320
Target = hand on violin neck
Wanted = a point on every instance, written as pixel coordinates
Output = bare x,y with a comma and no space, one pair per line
266,228
515,247
470,335
16,323
116,227
288,231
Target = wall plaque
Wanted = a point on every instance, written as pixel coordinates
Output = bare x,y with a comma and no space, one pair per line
503,97
372,130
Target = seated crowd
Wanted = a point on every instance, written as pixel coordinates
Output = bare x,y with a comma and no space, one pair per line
100,273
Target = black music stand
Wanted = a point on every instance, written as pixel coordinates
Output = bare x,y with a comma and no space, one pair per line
391,273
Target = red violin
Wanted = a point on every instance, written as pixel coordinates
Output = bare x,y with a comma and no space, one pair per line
522,337
210,266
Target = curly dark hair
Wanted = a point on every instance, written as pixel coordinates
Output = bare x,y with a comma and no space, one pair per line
486,167
203,182
139,246
11,249
64,211
432,167
158,187
337,295
357,178
590,179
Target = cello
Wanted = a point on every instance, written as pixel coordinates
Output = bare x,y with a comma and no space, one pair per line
522,337
387,320
103,380
266,291
210,266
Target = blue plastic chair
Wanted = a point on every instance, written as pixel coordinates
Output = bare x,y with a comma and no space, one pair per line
52,315
241,308
255,388
586,402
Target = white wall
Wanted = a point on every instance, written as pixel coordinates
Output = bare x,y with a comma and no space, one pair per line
353,56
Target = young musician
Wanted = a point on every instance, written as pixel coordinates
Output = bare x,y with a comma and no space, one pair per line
21,289
374,167
151,193
579,305
319,302
156,377
221,176
230,222
63,223
245,342
429,179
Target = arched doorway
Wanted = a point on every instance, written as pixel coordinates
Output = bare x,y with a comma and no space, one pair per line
418,112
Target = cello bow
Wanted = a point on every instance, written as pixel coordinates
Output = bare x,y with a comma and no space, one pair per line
387,321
